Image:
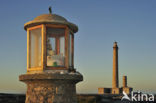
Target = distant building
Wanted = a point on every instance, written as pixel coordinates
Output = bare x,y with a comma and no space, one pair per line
104,90
115,80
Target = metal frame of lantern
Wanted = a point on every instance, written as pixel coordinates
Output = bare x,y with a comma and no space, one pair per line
44,66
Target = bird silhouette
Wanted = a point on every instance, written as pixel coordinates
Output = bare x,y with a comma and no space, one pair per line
50,11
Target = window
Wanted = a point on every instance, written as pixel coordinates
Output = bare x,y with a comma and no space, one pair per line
35,48
55,47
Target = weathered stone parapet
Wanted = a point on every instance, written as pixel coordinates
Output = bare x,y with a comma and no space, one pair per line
51,87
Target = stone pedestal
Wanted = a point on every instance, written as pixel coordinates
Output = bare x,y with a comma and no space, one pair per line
51,87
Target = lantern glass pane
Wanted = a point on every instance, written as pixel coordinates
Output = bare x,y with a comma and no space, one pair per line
35,48
55,47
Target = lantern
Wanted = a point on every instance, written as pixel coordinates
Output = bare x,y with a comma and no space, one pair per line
50,43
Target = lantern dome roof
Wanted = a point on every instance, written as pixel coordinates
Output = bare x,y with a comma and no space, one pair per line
51,19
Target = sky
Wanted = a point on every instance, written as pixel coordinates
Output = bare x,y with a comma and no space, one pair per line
132,23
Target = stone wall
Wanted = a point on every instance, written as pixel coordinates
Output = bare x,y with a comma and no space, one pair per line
82,98
12,98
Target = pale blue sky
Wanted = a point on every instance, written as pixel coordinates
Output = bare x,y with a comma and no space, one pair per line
132,23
